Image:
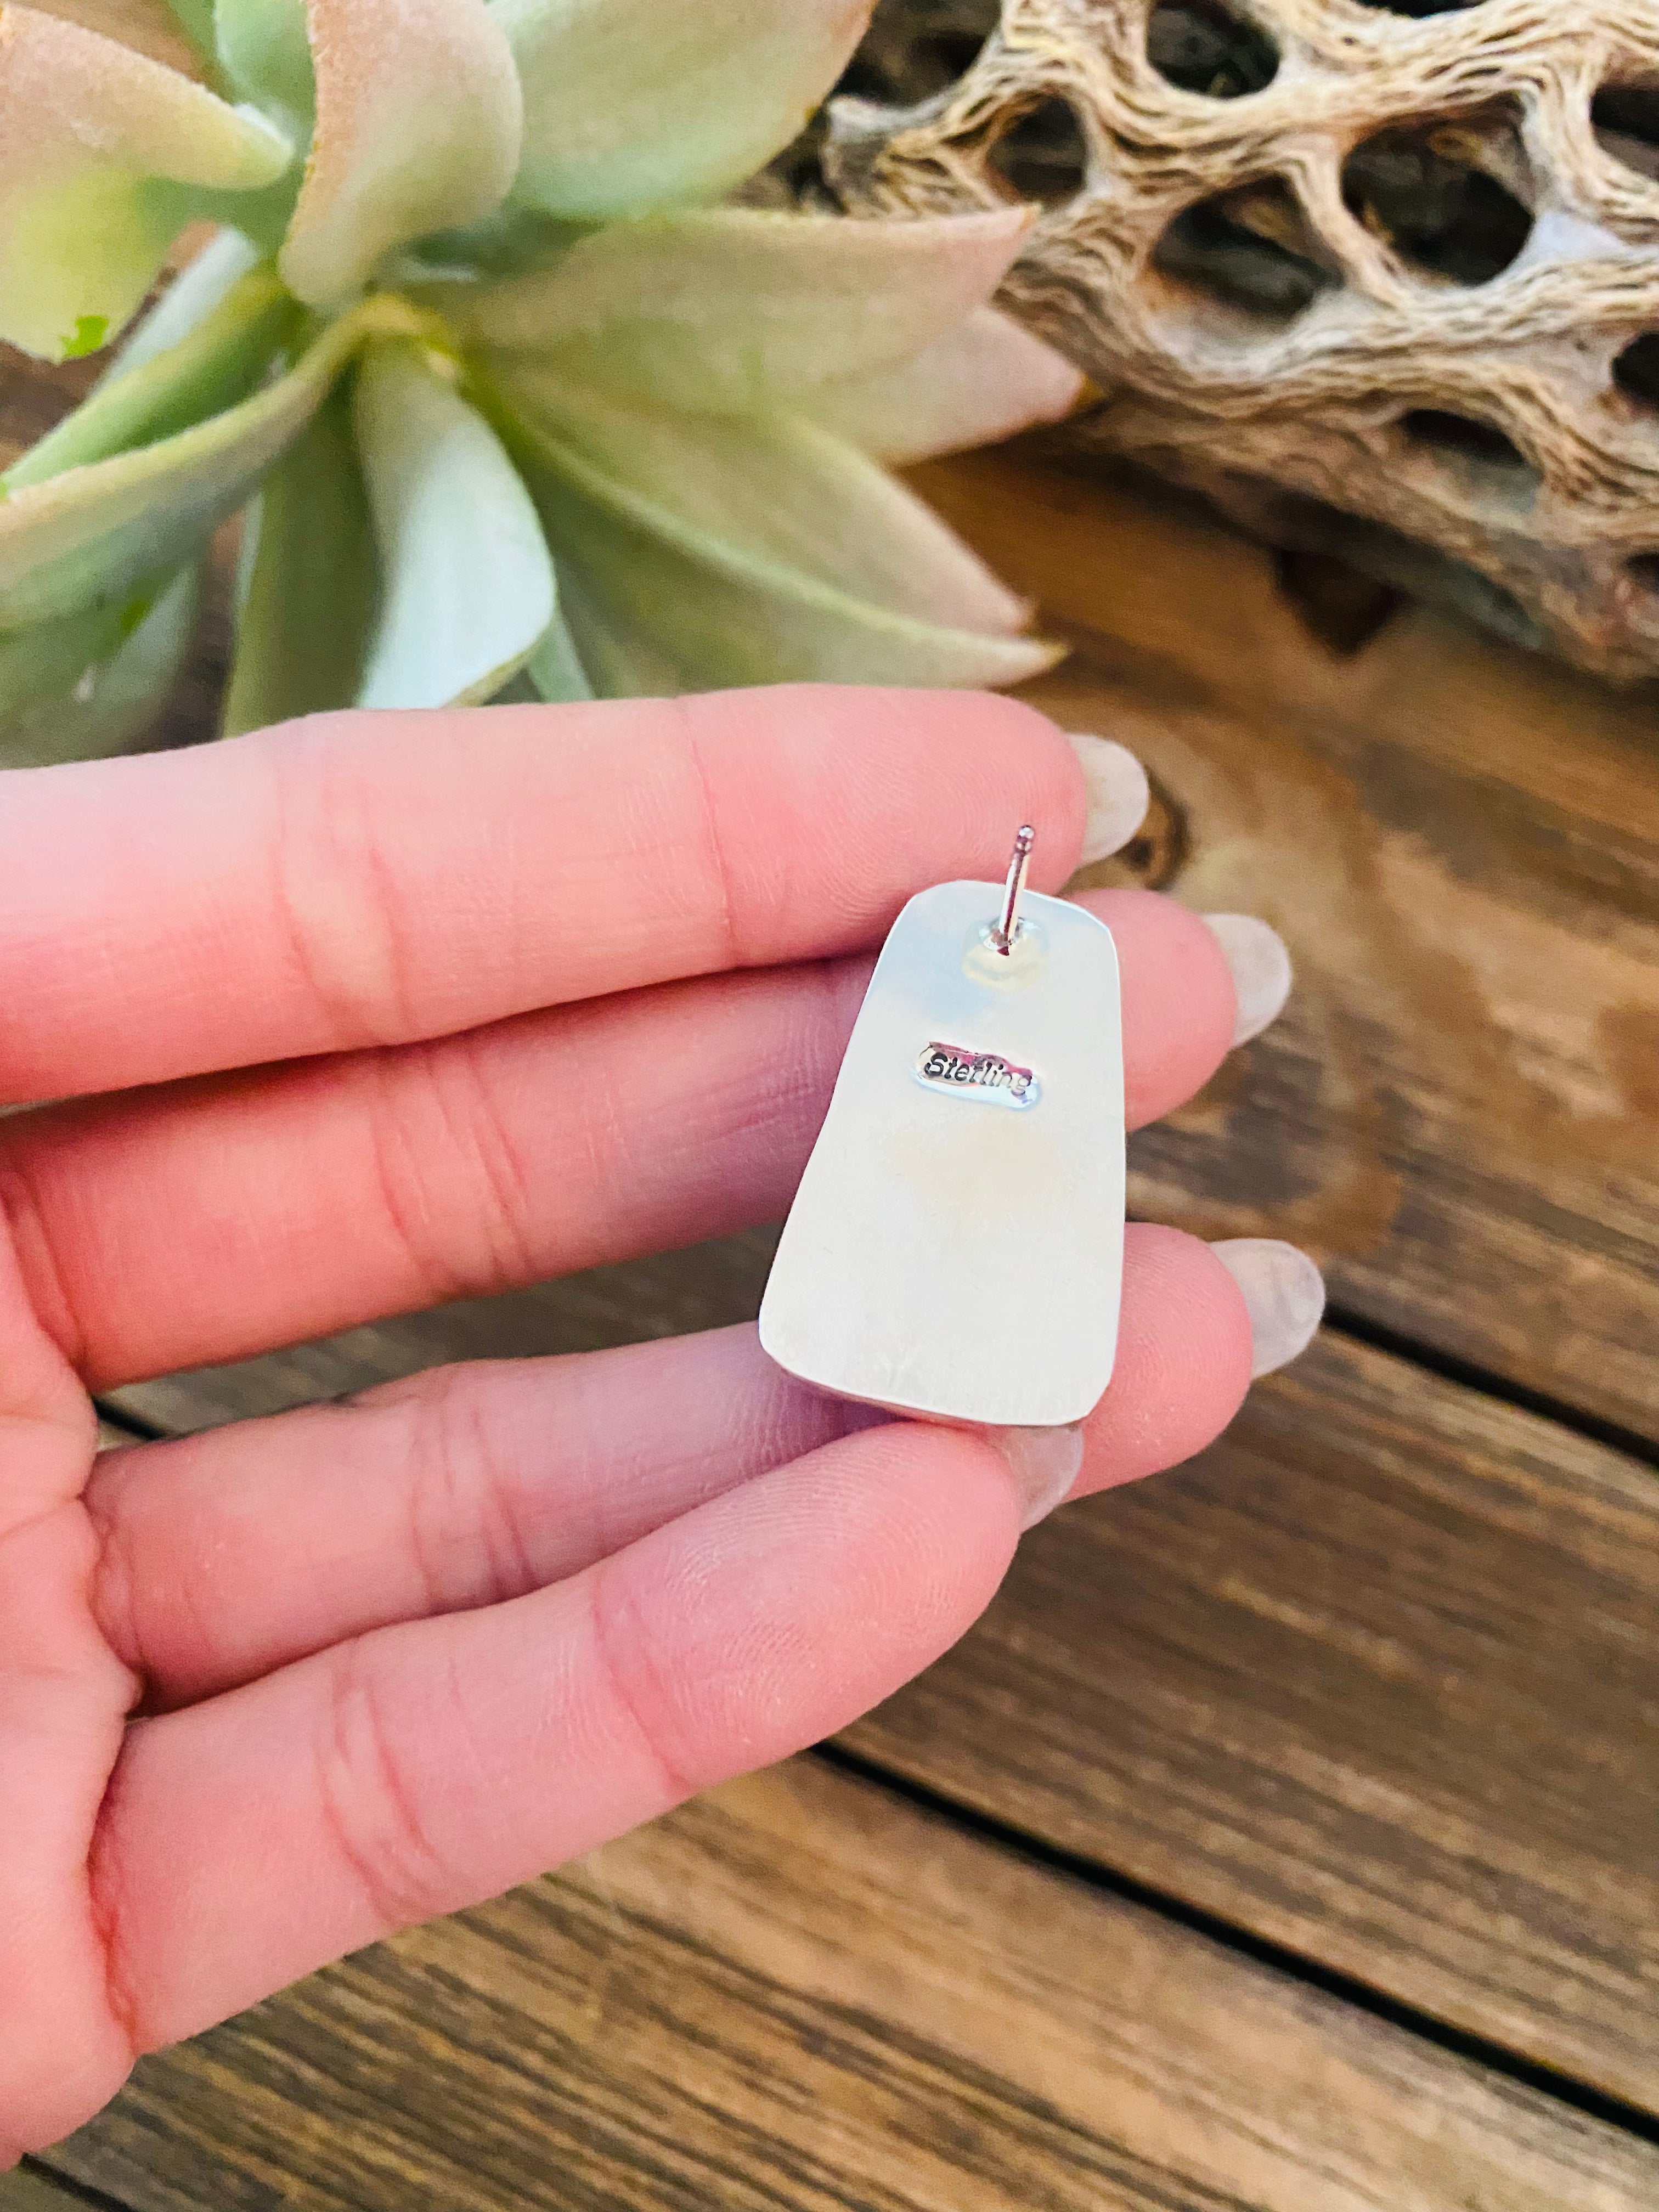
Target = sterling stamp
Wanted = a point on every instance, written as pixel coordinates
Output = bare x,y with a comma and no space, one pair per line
949,1067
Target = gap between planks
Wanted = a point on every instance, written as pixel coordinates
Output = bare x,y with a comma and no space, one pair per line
33,2187
802,1992
1294,1965
1369,1679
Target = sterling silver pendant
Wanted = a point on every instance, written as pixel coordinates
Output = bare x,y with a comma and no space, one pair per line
955,1248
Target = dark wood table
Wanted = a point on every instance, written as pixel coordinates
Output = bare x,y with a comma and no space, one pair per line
1287,1835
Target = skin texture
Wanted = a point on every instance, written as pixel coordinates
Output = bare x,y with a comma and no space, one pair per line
503,994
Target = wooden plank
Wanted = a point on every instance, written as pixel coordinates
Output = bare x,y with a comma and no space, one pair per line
1376,1677
28,2190
800,1993
1460,1112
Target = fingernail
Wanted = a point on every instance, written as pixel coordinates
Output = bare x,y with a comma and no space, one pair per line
1285,1292
1119,794
1046,1463
1259,961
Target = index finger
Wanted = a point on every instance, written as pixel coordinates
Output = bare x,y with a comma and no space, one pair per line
359,878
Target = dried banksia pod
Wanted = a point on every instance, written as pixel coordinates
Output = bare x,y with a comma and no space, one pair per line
506,390
1378,277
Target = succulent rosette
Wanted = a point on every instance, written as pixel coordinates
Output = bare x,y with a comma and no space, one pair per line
511,391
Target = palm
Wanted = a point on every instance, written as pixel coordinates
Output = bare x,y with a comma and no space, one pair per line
485,1005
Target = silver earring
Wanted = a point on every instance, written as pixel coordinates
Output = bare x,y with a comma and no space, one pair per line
955,1250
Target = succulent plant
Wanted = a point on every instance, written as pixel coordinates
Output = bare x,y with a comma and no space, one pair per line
511,390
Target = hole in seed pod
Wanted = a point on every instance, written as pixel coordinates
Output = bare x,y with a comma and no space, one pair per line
1420,7
1203,47
915,50
1041,154
1625,120
1252,249
1642,569
1379,550
1338,604
1481,447
1636,372
1450,199
912,51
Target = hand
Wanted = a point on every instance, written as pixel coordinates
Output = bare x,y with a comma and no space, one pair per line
372,1012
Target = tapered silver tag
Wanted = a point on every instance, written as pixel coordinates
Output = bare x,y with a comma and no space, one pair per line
955,1248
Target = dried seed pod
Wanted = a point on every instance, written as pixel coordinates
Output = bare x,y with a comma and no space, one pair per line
1380,278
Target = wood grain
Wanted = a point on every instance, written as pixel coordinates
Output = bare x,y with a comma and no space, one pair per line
21,2191
1376,1677
802,1993
1459,1113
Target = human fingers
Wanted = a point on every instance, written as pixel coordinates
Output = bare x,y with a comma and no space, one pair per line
359,879
203,1222
248,1839
229,1554
64,1701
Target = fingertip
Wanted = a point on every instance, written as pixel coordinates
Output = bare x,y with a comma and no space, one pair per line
946,1518
1184,1363
1120,793
1180,1007
1283,1292
1259,961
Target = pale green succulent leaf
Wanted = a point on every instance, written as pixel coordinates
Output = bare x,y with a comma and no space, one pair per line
195,18
194,294
105,154
77,255
739,309
778,489
309,592
418,123
87,538
88,684
618,660
653,616
988,379
554,669
631,106
210,370
466,586
148,27
665,592
515,241
265,54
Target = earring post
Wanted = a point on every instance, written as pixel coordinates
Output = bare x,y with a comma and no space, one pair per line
1007,924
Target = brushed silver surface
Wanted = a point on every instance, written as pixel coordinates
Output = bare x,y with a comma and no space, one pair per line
944,1258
